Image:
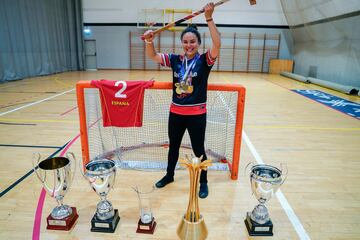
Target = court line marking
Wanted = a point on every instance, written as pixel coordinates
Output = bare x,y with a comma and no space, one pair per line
68,111
34,103
28,146
301,127
17,124
19,120
280,196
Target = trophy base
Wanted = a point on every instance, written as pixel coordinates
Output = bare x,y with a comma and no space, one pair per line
64,224
147,228
106,226
256,229
192,230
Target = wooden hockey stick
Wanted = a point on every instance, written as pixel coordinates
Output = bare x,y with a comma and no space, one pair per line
194,14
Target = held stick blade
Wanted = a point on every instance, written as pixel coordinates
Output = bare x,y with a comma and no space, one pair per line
194,14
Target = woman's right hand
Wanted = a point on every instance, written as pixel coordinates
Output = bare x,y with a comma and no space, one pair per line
149,35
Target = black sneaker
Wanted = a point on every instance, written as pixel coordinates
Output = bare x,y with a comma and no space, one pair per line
204,190
164,181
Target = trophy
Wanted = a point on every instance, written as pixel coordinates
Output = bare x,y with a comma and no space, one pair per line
265,181
146,222
101,176
192,225
56,176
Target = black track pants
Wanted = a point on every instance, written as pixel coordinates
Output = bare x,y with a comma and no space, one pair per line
196,126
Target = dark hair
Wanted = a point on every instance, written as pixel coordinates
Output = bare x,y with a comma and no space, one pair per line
193,29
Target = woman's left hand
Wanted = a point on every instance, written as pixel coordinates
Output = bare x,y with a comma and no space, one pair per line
209,9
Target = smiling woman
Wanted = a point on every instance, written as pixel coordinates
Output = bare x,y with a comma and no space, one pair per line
190,80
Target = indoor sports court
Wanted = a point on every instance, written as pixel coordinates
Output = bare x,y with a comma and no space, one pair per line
282,119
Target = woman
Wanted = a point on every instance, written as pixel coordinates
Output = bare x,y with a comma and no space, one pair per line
188,108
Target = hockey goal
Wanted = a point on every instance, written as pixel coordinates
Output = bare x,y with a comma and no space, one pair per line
146,147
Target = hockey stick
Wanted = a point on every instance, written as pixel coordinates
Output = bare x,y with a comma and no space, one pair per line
194,14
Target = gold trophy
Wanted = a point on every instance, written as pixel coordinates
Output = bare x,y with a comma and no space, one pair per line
192,225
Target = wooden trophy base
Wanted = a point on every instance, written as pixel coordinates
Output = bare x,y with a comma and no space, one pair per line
147,228
107,226
256,229
62,224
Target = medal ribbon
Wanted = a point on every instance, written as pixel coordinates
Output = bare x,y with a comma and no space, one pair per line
188,68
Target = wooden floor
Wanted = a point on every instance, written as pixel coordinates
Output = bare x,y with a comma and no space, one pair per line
321,147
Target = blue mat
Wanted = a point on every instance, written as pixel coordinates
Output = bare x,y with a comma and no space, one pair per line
350,108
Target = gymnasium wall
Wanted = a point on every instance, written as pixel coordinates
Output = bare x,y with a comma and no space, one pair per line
326,36
113,51
110,24
337,60
265,12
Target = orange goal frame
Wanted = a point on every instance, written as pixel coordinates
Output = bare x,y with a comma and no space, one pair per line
234,168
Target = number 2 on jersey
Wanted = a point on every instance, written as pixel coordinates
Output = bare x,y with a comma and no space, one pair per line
119,94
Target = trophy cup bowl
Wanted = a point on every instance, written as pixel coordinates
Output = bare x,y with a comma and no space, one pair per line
56,176
265,181
146,223
101,176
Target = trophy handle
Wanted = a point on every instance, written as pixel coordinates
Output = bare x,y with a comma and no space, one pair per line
285,172
81,169
247,166
72,163
36,166
40,176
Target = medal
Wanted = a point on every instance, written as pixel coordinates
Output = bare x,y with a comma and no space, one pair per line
184,85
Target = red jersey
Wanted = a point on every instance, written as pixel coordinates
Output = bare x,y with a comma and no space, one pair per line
122,102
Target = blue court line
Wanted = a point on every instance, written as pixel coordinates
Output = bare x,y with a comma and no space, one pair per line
351,109
28,174
27,146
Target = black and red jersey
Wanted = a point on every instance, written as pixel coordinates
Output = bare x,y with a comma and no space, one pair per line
190,80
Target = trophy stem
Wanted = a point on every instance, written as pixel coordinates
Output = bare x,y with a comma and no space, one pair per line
193,211
60,202
197,209
189,208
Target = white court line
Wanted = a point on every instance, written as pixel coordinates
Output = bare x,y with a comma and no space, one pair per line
33,103
280,196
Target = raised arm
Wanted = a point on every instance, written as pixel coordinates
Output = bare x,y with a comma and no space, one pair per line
214,33
149,47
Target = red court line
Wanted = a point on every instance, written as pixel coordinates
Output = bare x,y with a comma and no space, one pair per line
62,114
40,205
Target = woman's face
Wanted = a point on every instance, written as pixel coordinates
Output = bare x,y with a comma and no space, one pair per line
190,44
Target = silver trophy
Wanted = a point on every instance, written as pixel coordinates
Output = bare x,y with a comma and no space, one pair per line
56,175
101,176
265,181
